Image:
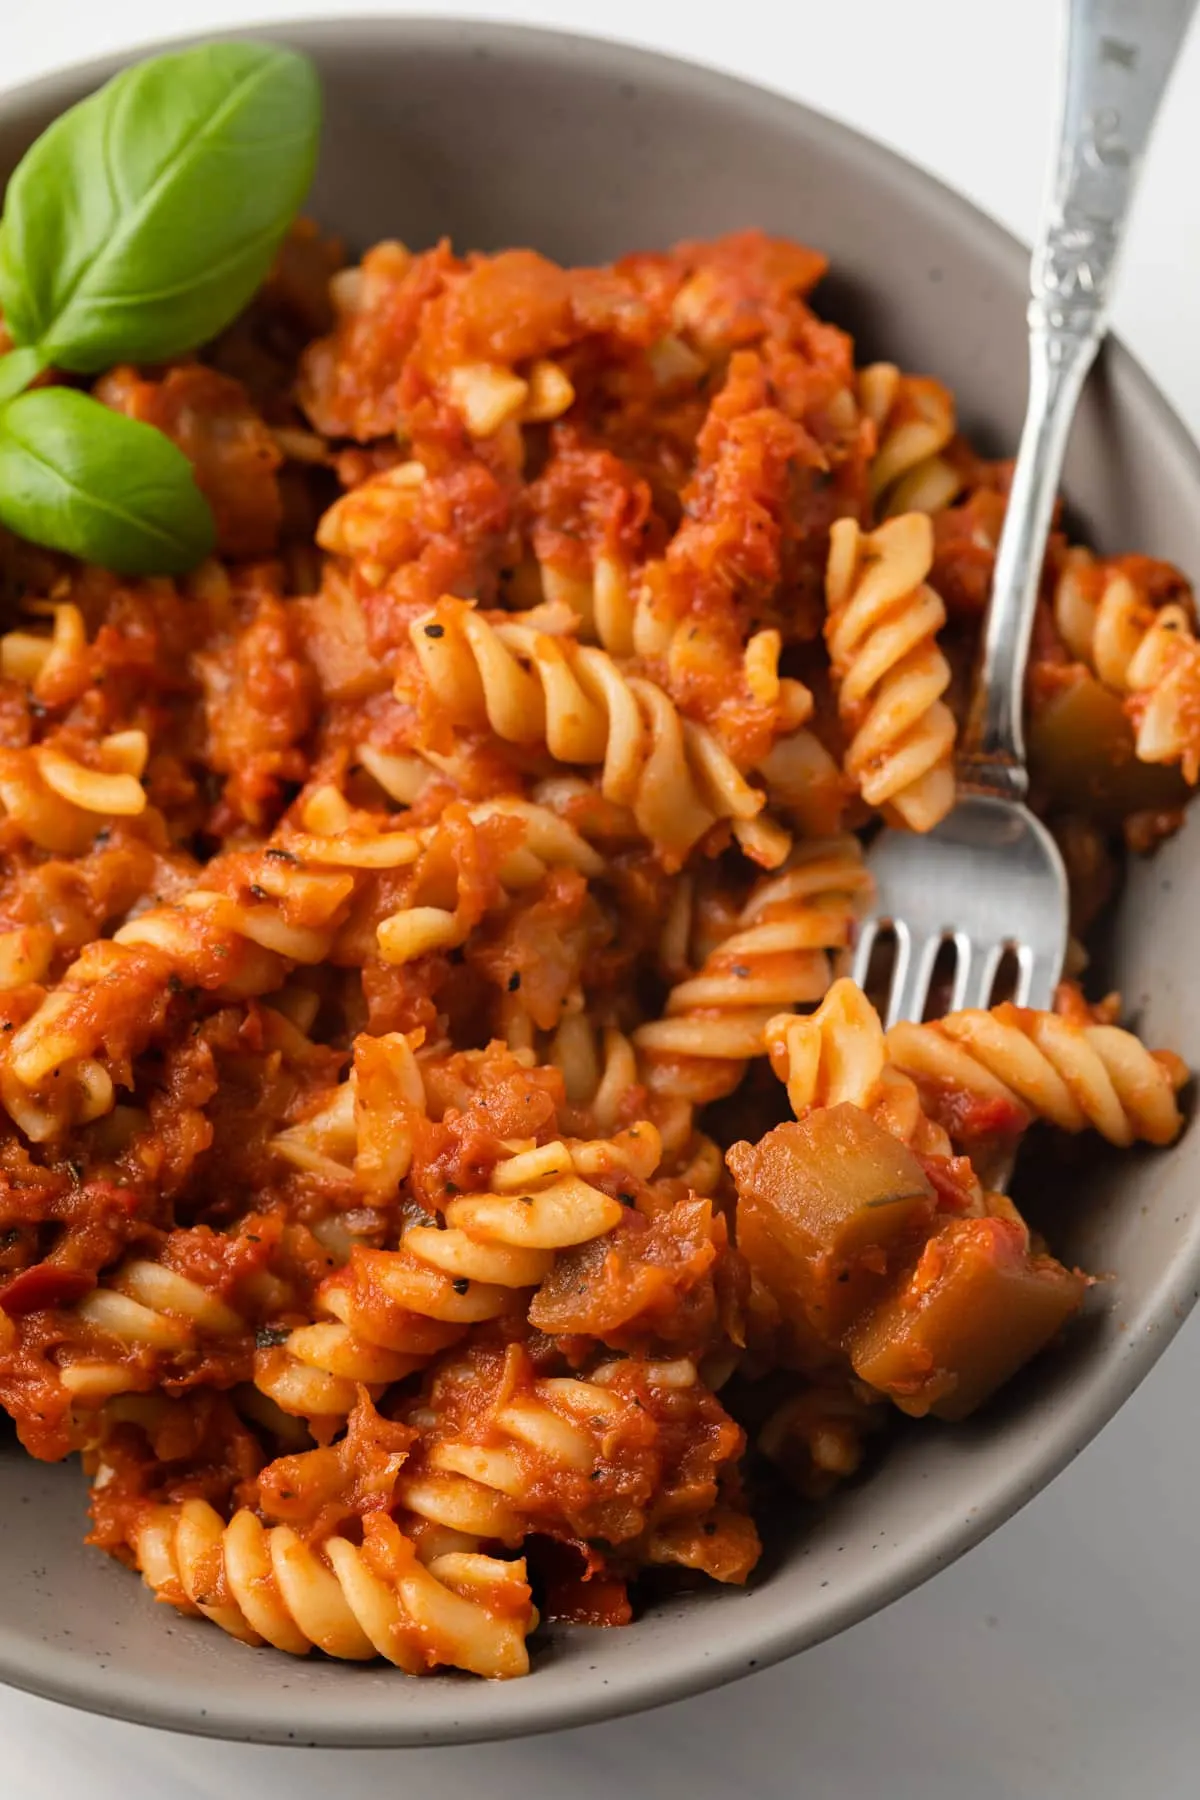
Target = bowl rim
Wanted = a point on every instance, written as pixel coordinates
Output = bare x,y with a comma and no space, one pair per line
507,1710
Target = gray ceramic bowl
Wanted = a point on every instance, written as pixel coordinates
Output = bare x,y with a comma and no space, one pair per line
502,136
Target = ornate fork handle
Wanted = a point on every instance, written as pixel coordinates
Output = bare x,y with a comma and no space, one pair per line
1120,54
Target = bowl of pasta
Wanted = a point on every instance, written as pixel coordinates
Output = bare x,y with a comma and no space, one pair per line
458,1221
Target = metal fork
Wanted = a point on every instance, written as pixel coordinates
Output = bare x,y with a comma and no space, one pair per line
989,879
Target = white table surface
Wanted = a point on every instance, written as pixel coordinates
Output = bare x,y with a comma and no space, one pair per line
1059,1660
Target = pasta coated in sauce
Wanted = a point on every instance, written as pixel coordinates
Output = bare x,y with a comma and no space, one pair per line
443,1164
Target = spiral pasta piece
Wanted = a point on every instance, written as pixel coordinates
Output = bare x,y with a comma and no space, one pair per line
555,1427
58,802
838,1055
446,1511
778,955
488,395
501,1446
364,1133
389,1311
890,675
601,1072
603,600
598,1066
265,1585
421,926
1047,1067
1147,653
37,659
547,841
914,418
1102,617
537,689
804,784
142,1306
680,653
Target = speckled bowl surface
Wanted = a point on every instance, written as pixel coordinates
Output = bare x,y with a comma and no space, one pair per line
503,136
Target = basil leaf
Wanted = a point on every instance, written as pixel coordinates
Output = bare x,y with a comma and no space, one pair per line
76,477
141,222
17,370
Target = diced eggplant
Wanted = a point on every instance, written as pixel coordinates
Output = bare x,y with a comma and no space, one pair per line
1081,755
828,1208
976,1307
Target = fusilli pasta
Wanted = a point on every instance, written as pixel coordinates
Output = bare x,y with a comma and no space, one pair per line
914,419
534,688
890,675
404,918
354,1602
1146,652
838,1056
388,1311
1074,1075
778,954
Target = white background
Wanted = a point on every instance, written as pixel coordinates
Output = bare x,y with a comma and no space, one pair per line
1061,1661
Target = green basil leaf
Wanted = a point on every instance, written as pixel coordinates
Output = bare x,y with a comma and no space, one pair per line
17,370
76,477
140,223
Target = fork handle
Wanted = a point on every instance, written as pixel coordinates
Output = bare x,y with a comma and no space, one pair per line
1119,56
